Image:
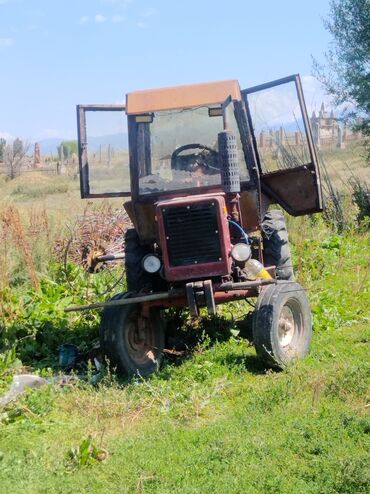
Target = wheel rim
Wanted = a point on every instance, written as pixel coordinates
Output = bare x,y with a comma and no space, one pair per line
289,324
140,339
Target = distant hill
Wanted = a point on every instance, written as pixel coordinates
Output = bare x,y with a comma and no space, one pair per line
117,141
49,146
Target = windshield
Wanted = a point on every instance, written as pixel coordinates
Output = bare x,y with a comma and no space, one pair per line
179,150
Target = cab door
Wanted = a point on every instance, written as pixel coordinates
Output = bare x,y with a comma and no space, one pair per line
103,151
283,143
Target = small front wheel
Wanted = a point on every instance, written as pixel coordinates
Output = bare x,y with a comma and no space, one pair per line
132,340
282,326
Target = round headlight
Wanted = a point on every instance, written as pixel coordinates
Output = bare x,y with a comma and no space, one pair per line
151,263
241,252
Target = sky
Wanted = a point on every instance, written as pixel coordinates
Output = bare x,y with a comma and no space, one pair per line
55,54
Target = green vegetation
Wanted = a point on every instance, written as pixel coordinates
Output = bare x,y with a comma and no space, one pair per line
67,148
213,419
346,75
2,148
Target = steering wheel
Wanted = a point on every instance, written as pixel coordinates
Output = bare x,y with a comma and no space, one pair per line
196,159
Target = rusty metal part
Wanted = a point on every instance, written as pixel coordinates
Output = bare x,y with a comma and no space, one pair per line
92,240
219,297
110,257
125,301
209,298
177,297
191,300
297,189
94,259
185,96
233,206
90,256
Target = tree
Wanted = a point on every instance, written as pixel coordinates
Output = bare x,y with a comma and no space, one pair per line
17,147
2,148
67,148
14,157
346,75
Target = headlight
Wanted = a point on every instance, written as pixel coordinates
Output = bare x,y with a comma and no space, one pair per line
151,263
241,252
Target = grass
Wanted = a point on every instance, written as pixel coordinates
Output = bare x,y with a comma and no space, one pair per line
344,164
217,422
213,420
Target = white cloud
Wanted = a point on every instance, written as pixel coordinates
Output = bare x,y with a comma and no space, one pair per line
118,18
100,18
314,94
141,25
5,42
149,12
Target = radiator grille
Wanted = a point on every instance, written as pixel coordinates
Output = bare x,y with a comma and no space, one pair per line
192,234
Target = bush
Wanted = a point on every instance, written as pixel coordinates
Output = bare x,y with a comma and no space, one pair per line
361,198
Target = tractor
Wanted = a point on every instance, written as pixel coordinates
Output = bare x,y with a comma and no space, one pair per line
207,174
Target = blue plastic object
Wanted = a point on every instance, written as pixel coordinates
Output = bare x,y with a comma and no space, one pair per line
67,355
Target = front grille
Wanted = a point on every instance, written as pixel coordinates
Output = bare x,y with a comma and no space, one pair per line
192,234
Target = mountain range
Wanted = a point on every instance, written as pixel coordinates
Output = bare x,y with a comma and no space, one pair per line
118,141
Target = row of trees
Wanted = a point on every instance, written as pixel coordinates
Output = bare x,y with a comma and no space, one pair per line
13,155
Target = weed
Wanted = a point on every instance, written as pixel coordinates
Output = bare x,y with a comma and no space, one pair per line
11,222
85,454
361,197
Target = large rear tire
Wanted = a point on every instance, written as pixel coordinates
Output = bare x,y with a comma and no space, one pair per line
136,277
132,341
282,326
276,248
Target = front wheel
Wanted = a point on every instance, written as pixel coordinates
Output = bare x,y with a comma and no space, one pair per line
282,326
132,341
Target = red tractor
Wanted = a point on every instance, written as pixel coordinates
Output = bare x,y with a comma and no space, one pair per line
203,166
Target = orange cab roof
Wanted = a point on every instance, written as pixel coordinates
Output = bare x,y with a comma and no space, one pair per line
186,96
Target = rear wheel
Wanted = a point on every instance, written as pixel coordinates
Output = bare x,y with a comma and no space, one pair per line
132,341
136,277
282,326
276,248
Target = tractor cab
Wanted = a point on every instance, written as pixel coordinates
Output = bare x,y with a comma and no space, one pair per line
164,142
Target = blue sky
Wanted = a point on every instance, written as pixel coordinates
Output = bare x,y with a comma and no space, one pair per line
55,54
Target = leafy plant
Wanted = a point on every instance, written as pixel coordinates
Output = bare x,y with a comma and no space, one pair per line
85,455
361,197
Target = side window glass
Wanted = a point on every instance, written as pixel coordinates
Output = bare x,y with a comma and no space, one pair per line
279,128
107,152
103,151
